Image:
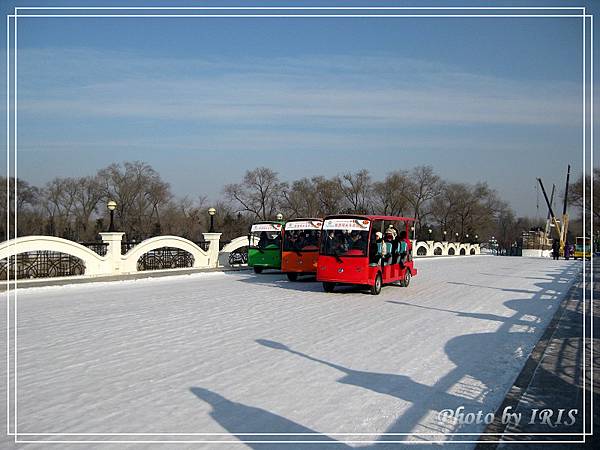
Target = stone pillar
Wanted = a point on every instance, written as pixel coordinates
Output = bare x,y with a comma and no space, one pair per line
414,247
113,252
429,248
213,248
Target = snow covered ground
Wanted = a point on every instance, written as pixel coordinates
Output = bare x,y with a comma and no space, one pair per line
242,353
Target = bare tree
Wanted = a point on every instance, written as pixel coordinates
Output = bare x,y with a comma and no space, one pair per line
87,195
357,188
424,185
139,192
185,217
330,197
576,194
301,199
27,199
389,194
230,222
257,193
58,199
467,209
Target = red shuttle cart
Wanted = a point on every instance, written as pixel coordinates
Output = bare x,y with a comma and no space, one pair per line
300,247
365,250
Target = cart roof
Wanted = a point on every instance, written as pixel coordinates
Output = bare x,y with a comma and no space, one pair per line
281,222
369,217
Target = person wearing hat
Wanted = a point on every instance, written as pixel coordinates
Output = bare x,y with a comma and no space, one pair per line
404,248
388,243
377,250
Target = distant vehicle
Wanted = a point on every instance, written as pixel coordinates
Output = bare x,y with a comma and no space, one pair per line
351,252
583,248
266,254
301,238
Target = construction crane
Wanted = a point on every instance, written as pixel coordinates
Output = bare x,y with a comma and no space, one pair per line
563,226
549,217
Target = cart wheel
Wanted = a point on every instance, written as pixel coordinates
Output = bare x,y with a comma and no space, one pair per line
406,280
258,269
292,276
328,287
376,288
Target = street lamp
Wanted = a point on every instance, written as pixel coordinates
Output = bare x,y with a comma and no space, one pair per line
279,216
211,213
111,205
445,233
456,237
430,231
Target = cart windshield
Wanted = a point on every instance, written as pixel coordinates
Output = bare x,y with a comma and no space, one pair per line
302,236
345,237
268,235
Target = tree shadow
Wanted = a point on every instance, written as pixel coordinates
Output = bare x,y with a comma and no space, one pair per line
483,357
483,316
240,419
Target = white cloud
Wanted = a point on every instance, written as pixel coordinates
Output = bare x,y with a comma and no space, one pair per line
342,92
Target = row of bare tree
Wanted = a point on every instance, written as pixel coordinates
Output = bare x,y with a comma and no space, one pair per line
437,205
75,208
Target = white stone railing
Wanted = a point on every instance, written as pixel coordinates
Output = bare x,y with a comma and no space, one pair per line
114,263
444,248
428,248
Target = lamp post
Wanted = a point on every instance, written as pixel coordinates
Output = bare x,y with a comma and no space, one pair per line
211,213
456,237
111,205
445,233
430,231
413,232
279,216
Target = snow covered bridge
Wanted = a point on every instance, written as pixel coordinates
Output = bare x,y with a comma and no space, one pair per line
239,353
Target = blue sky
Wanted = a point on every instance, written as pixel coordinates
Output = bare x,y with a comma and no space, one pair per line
202,100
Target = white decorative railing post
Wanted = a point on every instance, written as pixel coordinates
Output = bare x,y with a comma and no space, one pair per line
213,248
429,248
113,252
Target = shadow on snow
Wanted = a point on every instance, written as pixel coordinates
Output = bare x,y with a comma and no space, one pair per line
499,348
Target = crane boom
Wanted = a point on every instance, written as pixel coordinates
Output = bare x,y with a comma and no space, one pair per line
562,228
565,217
546,198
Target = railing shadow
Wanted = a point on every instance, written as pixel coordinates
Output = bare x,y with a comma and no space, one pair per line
483,357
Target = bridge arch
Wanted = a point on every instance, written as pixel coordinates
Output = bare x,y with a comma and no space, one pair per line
94,263
235,244
130,259
421,249
438,249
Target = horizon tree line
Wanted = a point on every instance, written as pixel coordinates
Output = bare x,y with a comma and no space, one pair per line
75,207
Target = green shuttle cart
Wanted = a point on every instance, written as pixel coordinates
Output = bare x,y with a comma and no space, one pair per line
264,249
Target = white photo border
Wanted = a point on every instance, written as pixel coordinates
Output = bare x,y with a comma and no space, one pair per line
13,17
